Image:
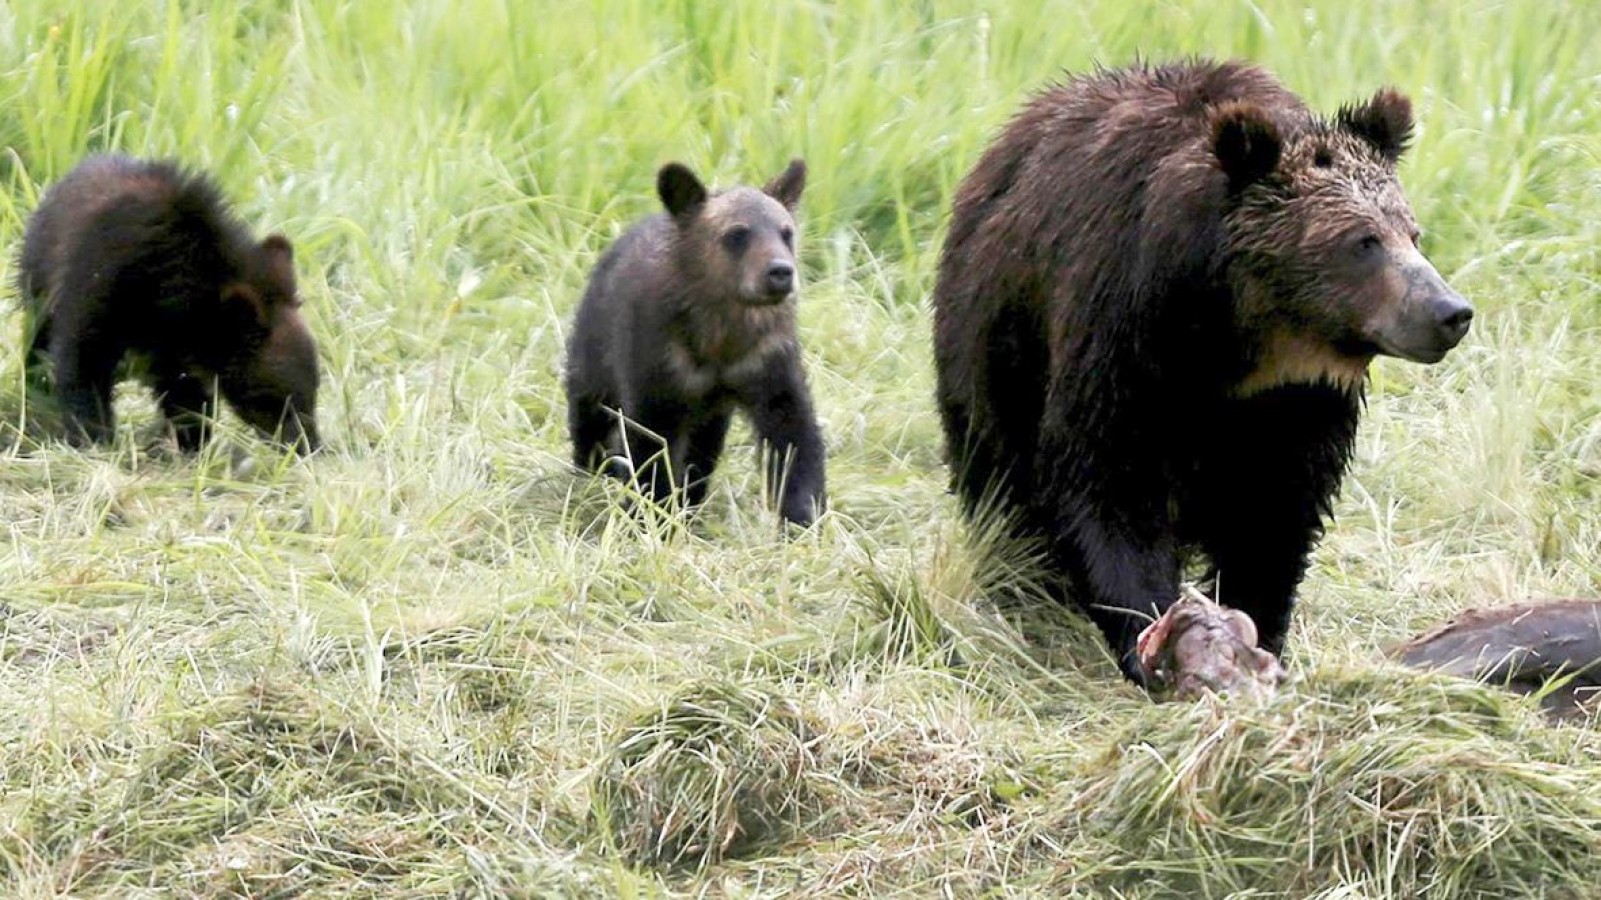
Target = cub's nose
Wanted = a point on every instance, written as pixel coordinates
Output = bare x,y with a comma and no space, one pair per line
780,277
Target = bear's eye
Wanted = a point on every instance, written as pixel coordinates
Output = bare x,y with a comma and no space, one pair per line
1417,238
1369,243
735,239
787,235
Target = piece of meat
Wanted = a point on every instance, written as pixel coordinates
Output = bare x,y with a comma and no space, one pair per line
1523,647
1198,646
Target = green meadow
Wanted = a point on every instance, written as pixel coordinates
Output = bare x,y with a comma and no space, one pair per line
433,661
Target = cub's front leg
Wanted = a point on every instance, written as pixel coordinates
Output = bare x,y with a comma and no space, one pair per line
780,409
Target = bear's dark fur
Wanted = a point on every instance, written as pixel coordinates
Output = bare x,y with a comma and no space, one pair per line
126,258
689,316
1155,309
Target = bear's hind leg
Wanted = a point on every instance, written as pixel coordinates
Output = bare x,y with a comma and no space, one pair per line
36,360
991,406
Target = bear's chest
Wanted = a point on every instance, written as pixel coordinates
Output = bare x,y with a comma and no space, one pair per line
698,374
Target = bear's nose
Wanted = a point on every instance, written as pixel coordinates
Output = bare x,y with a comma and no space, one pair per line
780,277
1454,315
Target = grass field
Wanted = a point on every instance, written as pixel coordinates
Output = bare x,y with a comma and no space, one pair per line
432,661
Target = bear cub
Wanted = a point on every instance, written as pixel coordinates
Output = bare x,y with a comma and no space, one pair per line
687,318
140,262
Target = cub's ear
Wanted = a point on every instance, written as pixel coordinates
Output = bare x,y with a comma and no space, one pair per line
277,247
243,305
1246,143
280,256
1384,121
787,186
681,192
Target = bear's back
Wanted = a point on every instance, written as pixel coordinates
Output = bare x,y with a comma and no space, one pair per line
113,210
1103,176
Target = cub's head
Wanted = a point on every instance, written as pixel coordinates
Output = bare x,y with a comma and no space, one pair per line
739,243
1323,247
271,377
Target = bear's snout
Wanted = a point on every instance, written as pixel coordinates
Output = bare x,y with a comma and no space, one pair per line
1453,315
780,278
1431,320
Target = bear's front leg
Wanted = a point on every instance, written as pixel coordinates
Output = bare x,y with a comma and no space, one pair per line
703,447
189,405
1124,577
1266,480
84,376
1109,532
780,409
653,442
1259,536
1261,583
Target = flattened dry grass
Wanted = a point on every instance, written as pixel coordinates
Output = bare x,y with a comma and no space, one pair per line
717,769
1369,780
434,662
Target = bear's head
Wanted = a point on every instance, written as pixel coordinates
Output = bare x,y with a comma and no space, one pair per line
737,244
270,378
1322,246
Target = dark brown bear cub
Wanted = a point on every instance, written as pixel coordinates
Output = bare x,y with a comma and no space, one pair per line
688,317
1156,307
141,261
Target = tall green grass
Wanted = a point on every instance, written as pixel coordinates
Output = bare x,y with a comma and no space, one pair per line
415,665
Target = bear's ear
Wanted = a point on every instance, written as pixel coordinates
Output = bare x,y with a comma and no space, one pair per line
787,187
244,306
681,192
277,246
280,256
1246,143
1384,121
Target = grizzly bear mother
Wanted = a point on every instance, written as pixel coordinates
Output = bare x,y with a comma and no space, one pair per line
1156,307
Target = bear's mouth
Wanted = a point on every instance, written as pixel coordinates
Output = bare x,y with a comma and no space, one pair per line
765,299
1423,354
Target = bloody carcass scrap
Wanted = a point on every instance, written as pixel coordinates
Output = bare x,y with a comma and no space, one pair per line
1199,646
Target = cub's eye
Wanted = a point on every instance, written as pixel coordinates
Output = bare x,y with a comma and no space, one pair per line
1368,244
1417,237
787,235
735,239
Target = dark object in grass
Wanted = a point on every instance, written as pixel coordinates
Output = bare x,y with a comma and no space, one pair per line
137,268
687,318
1198,646
1525,647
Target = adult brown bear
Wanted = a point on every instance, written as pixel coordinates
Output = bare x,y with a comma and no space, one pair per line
1155,310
